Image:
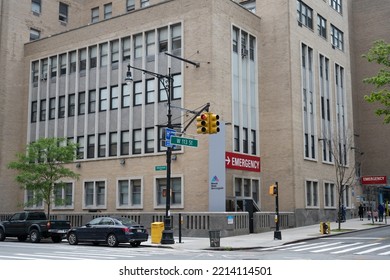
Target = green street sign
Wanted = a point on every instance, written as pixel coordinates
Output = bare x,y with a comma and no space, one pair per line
184,141
160,168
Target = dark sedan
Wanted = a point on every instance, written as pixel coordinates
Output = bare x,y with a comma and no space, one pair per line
109,230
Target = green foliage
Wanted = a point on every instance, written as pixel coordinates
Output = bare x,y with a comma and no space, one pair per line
41,167
380,54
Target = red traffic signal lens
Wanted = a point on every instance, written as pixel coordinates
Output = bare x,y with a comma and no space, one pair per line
203,116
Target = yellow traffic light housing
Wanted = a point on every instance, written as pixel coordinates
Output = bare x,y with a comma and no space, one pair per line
213,123
202,123
273,190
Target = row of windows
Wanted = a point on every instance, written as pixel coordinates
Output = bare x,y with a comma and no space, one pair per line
107,9
129,194
144,44
305,17
329,195
309,113
102,100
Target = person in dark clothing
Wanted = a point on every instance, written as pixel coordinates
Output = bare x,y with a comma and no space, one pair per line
360,212
381,210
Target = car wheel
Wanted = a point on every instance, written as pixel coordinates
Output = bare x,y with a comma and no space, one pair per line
35,236
56,238
135,244
72,239
112,241
2,235
22,238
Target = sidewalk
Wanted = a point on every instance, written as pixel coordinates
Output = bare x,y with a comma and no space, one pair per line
266,239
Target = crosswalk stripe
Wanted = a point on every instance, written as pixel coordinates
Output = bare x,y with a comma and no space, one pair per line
318,246
355,248
373,249
334,248
303,246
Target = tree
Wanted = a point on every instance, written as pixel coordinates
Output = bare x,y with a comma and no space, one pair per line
339,148
380,53
41,168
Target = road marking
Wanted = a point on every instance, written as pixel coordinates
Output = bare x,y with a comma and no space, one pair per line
355,248
373,249
318,246
334,248
303,246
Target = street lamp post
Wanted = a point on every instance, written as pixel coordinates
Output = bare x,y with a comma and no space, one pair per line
167,83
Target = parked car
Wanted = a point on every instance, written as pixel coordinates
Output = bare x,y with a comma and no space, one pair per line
34,225
109,230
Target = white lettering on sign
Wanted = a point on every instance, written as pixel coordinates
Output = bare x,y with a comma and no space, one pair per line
245,163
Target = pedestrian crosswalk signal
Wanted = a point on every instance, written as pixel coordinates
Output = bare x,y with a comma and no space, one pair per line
273,190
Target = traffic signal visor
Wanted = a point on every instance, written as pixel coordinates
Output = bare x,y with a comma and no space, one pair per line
202,123
214,123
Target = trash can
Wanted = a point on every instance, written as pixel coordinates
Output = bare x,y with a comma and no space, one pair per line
215,237
157,229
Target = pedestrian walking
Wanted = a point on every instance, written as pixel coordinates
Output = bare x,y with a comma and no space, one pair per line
381,210
360,212
375,215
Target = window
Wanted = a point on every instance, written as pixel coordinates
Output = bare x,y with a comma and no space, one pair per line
176,192
253,142
35,34
42,112
44,69
102,145
137,93
107,11
52,108
34,111
311,194
95,194
337,5
103,100
130,5
144,3
80,147
53,67
245,140
138,46
236,138
321,25
150,96
91,146
114,98
308,108
83,59
115,53
125,95
126,49
149,140
92,57
33,201
35,73
92,101
329,193
81,103
176,87
63,64
103,54
36,6
137,141
95,15
113,145
163,39
346,196
125,142
150,44
63,12
337,37
72,61
130,193
305,14
176,37
63,195
341,115
61,107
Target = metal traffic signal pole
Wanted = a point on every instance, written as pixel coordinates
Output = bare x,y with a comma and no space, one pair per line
277,233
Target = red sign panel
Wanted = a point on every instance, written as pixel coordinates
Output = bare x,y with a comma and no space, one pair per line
374,180
242,162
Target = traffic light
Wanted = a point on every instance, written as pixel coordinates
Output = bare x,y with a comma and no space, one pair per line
202,123
213,123
273,190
